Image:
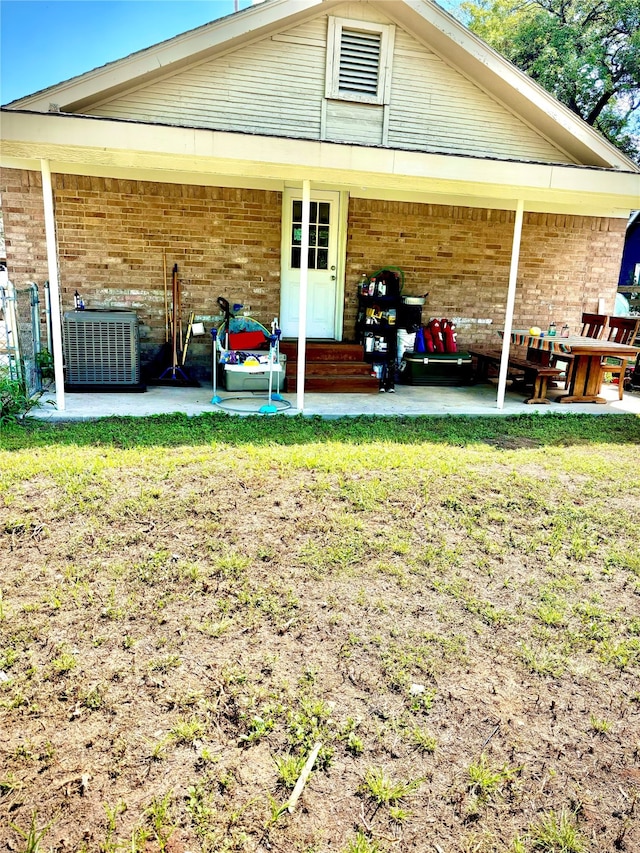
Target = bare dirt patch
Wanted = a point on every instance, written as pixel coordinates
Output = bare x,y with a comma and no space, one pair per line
458,627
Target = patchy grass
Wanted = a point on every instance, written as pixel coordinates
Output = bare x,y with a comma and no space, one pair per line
448,605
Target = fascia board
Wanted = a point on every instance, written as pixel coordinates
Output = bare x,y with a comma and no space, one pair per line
30,137
429,194
481,64
169,56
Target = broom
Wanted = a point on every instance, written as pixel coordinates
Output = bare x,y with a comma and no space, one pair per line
174,374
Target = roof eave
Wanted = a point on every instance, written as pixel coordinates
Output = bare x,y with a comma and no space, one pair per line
488,69
173,154
189,48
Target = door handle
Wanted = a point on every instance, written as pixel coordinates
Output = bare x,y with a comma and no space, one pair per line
333,278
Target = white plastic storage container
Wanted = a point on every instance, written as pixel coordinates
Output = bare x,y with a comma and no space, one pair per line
239,378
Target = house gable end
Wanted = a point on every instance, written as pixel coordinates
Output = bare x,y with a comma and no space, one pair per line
279,85
520,120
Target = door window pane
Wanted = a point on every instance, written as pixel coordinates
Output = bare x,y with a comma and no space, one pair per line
319,234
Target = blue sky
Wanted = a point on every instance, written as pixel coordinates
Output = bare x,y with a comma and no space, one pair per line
43,42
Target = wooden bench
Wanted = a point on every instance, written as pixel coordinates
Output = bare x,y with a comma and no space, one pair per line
529,372
485,358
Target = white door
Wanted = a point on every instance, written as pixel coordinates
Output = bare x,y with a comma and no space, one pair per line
323,282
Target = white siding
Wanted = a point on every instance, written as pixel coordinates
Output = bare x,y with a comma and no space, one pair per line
433,107
276,87
347,122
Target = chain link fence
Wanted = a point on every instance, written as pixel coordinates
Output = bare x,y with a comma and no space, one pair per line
20,344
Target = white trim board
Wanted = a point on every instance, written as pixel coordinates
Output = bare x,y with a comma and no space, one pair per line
175,152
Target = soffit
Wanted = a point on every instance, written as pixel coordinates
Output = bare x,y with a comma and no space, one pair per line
173,154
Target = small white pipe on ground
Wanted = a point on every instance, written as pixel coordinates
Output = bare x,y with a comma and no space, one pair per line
54,282
302,305
511,300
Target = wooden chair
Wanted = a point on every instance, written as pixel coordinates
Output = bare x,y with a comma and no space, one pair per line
593,326
622,330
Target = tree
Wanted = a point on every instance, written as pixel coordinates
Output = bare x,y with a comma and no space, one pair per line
585,52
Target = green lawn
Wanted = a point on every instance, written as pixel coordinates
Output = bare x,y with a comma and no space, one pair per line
447,609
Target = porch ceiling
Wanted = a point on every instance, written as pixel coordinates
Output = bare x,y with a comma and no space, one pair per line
106,147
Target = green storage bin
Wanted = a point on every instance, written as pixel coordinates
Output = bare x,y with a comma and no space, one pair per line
436,368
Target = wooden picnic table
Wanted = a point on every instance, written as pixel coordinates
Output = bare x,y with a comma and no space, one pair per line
588,370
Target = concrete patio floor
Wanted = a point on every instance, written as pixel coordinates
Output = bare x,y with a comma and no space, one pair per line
406,401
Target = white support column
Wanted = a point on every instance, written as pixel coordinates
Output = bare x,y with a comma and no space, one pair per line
54,282
304,283
511,299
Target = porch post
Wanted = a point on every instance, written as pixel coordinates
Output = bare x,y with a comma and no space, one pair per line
511,299
304,281
54,282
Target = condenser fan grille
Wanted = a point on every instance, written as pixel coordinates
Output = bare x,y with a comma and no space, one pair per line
102,348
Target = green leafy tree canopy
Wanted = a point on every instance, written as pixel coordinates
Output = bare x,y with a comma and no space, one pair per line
585,52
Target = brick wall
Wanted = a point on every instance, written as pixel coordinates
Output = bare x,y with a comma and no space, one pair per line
226,242
113,235
23,215
461,257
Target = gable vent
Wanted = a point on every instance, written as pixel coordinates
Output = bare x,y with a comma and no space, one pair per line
359,62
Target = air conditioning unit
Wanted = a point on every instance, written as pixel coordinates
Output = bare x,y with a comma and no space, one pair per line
102,351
